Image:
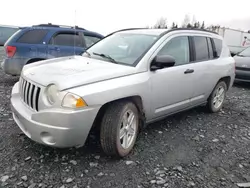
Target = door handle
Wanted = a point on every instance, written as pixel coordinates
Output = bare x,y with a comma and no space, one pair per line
189,71
57,49
54,48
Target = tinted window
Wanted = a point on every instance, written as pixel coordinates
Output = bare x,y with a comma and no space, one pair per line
218,46
210,48
33,36
201,48
66,39
178,48
89,40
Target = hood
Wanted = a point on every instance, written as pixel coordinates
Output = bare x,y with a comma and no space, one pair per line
242,61
73,71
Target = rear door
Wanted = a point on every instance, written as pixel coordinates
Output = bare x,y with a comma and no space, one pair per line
65,43
204,73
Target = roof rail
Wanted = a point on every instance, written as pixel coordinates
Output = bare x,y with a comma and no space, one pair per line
54,25
77,27
195,29
127,29
45,25
170,30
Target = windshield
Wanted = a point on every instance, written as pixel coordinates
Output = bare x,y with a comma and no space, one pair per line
121,48
245,53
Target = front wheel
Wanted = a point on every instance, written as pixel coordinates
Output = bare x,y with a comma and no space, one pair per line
119,128
217,97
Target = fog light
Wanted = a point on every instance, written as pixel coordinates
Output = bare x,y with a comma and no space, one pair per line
47,138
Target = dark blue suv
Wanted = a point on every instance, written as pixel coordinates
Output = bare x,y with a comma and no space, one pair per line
45,41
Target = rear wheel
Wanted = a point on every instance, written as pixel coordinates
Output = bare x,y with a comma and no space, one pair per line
217,97
119,128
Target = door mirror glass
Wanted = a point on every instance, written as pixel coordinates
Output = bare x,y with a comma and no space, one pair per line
162,61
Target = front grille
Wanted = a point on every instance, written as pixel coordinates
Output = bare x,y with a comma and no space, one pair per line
29,93
243,77
243,68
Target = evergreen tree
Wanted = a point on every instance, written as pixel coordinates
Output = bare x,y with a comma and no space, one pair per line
203,25
173,25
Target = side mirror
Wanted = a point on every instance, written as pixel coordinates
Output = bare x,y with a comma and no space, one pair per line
162,61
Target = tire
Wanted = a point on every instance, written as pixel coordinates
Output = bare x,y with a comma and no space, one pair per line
212,105
111,125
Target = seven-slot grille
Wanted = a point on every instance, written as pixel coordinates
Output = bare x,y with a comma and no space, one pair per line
29,93
243,68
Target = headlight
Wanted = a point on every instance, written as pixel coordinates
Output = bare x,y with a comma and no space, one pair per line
71,100
52,94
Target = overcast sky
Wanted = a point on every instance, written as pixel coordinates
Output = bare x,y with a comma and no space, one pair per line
105,16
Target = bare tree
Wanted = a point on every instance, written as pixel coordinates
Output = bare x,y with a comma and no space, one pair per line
161,23
186,21
194,21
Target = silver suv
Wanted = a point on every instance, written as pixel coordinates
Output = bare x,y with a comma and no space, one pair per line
129,79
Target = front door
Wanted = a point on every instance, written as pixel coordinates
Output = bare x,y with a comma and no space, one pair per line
65,44
172,88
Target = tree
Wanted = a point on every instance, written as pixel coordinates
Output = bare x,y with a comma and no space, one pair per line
194,21
214,28
186,21
198,25
195,25
161,23
189,25
203,25
173,25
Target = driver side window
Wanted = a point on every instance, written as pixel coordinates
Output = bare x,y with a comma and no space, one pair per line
178,48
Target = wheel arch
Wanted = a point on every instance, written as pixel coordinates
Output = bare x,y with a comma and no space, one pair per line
34,60
136,99
226,79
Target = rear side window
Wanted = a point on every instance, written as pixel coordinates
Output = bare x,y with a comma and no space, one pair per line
210,48
67,39
89,40
201,48
33,36
218,46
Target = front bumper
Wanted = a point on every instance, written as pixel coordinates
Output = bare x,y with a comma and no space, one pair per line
54,127
242,75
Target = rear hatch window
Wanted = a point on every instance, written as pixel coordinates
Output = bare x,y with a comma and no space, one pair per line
35,36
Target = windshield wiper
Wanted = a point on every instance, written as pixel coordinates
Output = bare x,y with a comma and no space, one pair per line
241,55
106,56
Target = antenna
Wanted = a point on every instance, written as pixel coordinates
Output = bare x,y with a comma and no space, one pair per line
75,34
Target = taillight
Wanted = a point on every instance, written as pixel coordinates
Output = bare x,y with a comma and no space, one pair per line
10,51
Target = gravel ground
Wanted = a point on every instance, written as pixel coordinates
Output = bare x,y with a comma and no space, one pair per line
191,149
